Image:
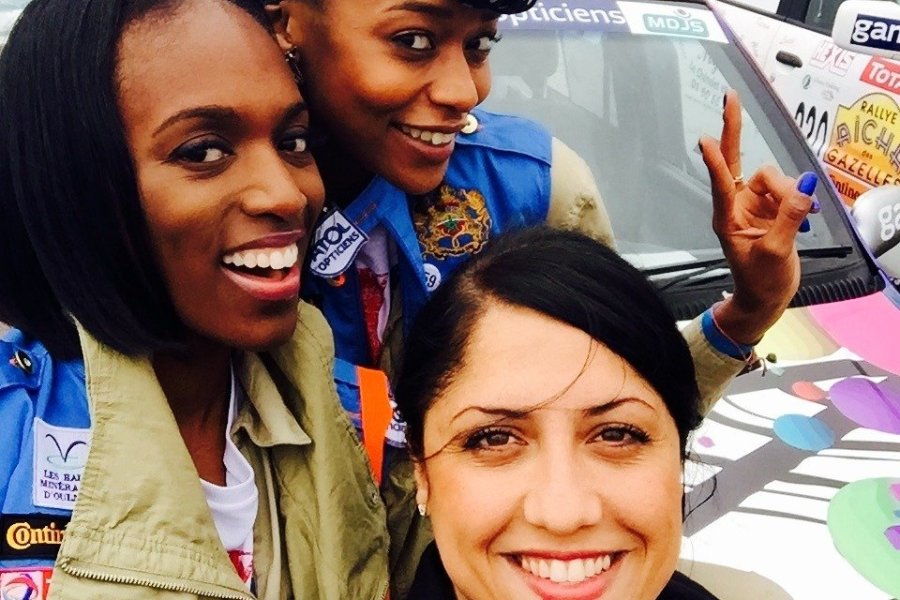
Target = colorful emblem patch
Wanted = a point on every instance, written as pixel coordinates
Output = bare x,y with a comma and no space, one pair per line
25,584
452,222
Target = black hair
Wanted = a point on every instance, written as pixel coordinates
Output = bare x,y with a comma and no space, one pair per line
497,6
506,7
73,236
565,276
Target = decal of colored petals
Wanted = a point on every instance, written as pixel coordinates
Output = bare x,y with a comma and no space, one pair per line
808,391
863,523
804,433
869,404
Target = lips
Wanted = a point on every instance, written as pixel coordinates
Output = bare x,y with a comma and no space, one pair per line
435,138
266,268
584,577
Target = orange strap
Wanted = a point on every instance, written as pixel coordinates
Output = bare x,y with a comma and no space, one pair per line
375,406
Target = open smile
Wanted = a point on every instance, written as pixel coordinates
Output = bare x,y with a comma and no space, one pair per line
266,273
435,138
578,578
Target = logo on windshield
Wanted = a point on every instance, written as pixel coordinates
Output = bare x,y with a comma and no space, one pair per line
681,23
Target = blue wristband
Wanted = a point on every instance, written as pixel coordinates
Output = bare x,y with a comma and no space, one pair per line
720,341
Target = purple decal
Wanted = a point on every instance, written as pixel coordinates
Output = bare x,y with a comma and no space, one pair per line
873,405
893,536
553,15
804,433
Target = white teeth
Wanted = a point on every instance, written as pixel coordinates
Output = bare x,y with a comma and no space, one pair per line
279,258
576,571
567,571
435,138
558,571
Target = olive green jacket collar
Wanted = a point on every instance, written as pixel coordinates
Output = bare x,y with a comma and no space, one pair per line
142,519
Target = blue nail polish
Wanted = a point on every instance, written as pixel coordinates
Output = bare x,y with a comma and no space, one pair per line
816,206
807,183
804,226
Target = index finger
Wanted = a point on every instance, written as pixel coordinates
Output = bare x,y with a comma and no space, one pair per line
731,132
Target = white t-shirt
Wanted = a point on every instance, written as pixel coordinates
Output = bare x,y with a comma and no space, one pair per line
234,506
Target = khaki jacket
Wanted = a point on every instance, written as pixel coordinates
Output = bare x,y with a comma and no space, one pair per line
141,527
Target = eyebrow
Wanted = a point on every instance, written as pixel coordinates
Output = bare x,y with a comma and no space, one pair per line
509,414
222,114
434,10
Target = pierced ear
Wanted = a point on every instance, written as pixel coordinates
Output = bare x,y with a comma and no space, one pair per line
422,488
281,23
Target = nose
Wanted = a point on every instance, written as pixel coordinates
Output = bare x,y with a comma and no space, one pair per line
278,190
453,85
563,500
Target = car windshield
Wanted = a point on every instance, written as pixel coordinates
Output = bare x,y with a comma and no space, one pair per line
634,105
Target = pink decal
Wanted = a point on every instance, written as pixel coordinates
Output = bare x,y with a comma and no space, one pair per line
868,326
808,391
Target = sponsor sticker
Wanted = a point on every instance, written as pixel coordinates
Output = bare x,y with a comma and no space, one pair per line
31,536
553,15
335,244
876,32
829,57
60,454
25,584
864,151
883,74
673,21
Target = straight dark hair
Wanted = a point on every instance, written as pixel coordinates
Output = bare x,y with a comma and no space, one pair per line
73,236
497,6
567,277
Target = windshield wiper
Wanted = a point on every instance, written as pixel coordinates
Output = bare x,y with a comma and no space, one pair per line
704,268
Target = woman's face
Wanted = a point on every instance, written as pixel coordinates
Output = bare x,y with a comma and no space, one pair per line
554,469
393,80
217,133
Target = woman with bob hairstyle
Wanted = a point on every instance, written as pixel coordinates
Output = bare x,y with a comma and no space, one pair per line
171,426
548,422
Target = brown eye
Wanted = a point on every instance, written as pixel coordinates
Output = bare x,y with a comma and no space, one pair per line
415,41
489,439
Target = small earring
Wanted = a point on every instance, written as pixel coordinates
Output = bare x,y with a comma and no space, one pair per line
423,510
292,58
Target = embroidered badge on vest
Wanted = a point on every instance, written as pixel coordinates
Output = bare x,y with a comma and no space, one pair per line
25,583
31,536
452,222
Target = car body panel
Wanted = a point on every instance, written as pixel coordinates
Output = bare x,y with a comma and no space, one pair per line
845,103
